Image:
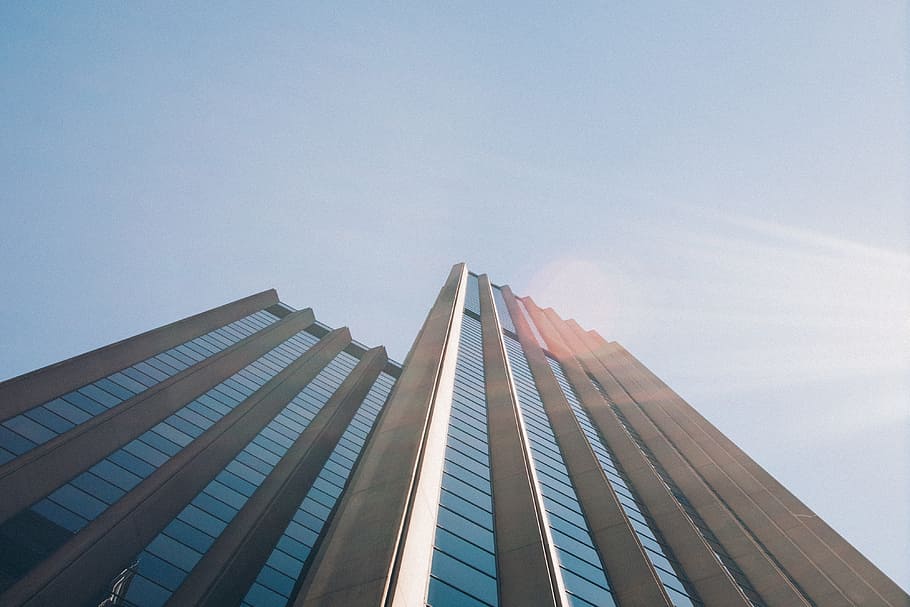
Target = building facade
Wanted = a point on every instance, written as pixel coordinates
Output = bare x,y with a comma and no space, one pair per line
250,455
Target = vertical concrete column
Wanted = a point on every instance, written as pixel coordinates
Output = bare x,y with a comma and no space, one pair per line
378,548
85,564
633,579
713,584
30,477
769,581
793,525
806,568
525,562
31,389
864,568
231,565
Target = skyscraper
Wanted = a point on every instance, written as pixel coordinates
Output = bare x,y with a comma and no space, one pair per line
251,455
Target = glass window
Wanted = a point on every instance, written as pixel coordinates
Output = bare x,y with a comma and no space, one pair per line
442,595
49,419
29,429
174,552
162,572
274,579
202,519
463,576
285,563
67,411
78,501
309,519
465,551
189,535
98,487
466,529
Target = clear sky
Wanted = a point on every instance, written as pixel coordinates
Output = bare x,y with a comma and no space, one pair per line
720,186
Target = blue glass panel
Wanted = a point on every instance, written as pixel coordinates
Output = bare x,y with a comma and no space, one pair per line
29,429
308,522
259,595
78,501
184,540
285,563
189,535
465,551
464,577
274,579
441,594
174,552
568,527
61,414
67,411
660,555
49,419
465,528
472,295
87,496
14,441
463,557
504,316
98,487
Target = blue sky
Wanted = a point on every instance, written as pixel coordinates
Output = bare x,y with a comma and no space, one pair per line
723,188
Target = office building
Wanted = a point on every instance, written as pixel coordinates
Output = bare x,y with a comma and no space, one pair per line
251,455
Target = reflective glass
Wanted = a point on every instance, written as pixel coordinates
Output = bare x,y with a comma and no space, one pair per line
464,577
184,549
572,539
43,422
672,577
289,556
653,540
84,498
472,294
464,555
442,595
504,316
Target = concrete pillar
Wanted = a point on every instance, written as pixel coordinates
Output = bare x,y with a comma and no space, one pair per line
713,584
661,404
85,564
30,477
231,565
770,583
793,525
378,548
525,563
632,578
864,568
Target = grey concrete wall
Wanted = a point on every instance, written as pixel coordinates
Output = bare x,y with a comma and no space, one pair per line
231,565
842,568
85,565
633,580
768,580
30,477
525,564
713,584
806,570
385,521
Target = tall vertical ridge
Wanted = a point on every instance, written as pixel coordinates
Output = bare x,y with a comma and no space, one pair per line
390,504
525,552
612,533
251,456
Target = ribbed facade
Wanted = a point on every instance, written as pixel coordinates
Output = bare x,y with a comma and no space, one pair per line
250,455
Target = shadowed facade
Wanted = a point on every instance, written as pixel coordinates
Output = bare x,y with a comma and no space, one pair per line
250,455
